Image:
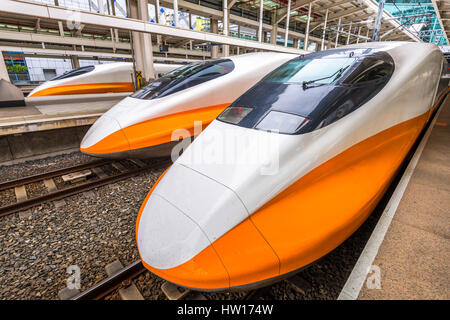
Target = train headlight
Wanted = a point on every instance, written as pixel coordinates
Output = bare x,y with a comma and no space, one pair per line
281,122
234,114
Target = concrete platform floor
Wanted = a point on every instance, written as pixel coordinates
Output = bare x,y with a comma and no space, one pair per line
50,124
47,113
414,258
59,106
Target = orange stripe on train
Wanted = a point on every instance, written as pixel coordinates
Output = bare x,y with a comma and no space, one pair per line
112,87
154,131
305,221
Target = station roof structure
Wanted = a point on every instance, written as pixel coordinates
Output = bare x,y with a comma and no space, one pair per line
427,19
442,10
353,19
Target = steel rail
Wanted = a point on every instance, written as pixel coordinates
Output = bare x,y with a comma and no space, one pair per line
108,285
48,175
63,193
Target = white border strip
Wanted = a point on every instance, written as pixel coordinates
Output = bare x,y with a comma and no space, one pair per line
356,280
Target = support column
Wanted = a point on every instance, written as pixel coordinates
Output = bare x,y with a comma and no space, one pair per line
137,46
101,6
349,33
305,47
113,8
260,28
337,33
157,13
214,29
147,47
142,42
274,32
112,39
376,31
288,16
367,34
175,12
75,61
324,31
61,28
225,20
359,32
3,71
157,10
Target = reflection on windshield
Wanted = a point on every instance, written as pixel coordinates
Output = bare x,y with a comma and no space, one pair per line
186,70
318,70
185,77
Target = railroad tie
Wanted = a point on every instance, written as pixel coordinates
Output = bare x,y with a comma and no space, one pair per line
21,193
119,166
299,284
173,292
196,296
50,185
138,162
130,292
76,176
99,172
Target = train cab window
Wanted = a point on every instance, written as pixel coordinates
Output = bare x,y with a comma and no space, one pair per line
75,72
309,71
185,77
313,91
369,70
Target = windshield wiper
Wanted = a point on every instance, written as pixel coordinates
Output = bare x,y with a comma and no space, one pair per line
338,72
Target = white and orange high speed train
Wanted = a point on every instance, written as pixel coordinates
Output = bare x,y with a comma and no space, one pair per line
141,125
341,122
113,77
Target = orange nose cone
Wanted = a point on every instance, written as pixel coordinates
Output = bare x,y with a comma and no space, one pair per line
204,272
115,142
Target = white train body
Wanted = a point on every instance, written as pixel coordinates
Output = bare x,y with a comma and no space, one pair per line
142,125
102,78
217,221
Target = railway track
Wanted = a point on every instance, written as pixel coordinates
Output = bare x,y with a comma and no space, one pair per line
108,285
123,278
123,170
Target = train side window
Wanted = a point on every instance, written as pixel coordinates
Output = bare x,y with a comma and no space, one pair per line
211,71
75,72
216,70
368,71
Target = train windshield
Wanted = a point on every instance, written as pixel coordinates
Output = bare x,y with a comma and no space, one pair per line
75,72
320,71
312,91
185,77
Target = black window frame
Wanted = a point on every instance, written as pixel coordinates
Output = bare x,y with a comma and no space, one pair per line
170,85
75,72
364,66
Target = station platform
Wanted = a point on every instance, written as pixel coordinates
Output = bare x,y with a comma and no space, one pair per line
47,113
412,258
50,124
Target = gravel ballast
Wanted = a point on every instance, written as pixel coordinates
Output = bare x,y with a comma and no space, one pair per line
89,230
94,228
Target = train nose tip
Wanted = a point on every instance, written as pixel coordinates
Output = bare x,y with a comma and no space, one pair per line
168,242
105,136
166,236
